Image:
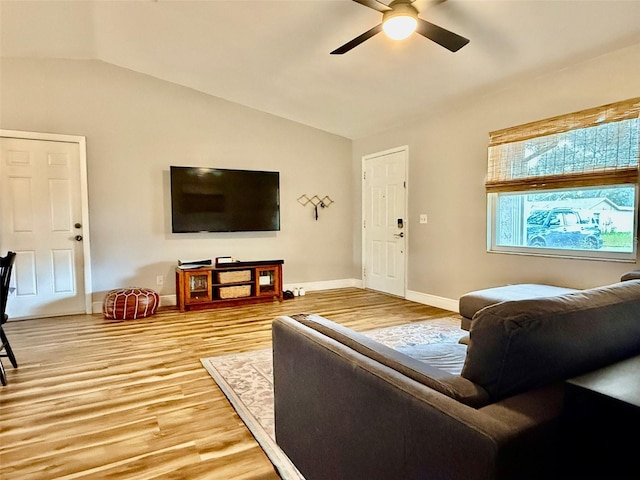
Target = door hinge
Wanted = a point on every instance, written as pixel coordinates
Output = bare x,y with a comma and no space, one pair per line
405,184
364,175
364,272
364,224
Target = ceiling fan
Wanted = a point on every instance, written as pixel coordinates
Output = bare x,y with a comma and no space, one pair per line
399,20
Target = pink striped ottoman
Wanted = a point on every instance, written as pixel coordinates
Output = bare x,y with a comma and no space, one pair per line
129,303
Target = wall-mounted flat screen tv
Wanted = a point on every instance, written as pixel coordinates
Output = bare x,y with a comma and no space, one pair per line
220,200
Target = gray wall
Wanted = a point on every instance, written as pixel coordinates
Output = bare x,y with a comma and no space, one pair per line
137,126
447,169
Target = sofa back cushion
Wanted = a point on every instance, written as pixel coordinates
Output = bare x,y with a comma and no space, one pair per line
515,346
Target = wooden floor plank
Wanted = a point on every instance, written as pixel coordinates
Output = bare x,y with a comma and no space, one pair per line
95,398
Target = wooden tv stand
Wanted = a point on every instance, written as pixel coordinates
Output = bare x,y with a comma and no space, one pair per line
228,284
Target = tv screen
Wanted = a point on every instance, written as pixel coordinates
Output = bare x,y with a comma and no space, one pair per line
219,200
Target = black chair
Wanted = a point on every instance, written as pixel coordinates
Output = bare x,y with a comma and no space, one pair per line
6,265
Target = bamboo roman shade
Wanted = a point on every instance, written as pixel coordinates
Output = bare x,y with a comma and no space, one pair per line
599,146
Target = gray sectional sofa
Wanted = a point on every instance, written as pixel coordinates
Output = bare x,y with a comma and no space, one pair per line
347,407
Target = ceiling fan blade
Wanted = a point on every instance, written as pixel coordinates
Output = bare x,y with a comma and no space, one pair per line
374,4
449,40
357,41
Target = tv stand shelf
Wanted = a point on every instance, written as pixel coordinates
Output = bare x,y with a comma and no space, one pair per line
228,284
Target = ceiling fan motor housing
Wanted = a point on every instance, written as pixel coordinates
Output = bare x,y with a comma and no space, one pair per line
400,8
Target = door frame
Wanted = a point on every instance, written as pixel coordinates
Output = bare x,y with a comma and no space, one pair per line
402,149
81,143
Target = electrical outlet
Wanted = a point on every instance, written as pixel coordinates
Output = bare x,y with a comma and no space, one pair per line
160,280
423,218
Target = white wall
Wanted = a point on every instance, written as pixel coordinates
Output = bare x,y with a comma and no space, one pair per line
137,126
447,169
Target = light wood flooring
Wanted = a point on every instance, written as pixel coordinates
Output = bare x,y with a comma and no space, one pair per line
94,398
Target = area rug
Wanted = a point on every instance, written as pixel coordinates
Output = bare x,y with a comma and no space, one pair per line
247,380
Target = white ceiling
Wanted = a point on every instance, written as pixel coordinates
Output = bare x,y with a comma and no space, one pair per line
273,55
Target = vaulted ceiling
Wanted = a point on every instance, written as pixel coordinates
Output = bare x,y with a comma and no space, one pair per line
273,55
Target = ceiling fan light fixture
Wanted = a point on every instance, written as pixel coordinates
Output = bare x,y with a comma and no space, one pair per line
401,21
400,26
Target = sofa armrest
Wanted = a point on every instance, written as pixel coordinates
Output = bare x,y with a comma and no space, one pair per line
342,415
414,367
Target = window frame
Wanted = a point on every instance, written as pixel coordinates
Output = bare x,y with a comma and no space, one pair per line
493,247
502,162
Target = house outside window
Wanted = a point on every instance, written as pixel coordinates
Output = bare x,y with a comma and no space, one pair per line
567,186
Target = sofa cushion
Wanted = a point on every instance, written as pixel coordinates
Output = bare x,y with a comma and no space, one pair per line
518,345
448,357
415,363
472,302
632,275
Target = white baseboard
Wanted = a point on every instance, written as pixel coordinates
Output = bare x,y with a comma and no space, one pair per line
325,285
433,300
96,307
170,300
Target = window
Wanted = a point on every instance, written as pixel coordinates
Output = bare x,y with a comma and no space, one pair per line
567,186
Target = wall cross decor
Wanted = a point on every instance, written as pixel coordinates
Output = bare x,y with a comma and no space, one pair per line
316,201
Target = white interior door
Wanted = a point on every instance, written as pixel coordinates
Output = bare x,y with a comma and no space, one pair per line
42,220
385,227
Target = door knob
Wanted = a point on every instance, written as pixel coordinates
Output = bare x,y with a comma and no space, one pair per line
78,238
399,235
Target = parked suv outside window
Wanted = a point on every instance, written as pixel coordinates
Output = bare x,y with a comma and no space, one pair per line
562,228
